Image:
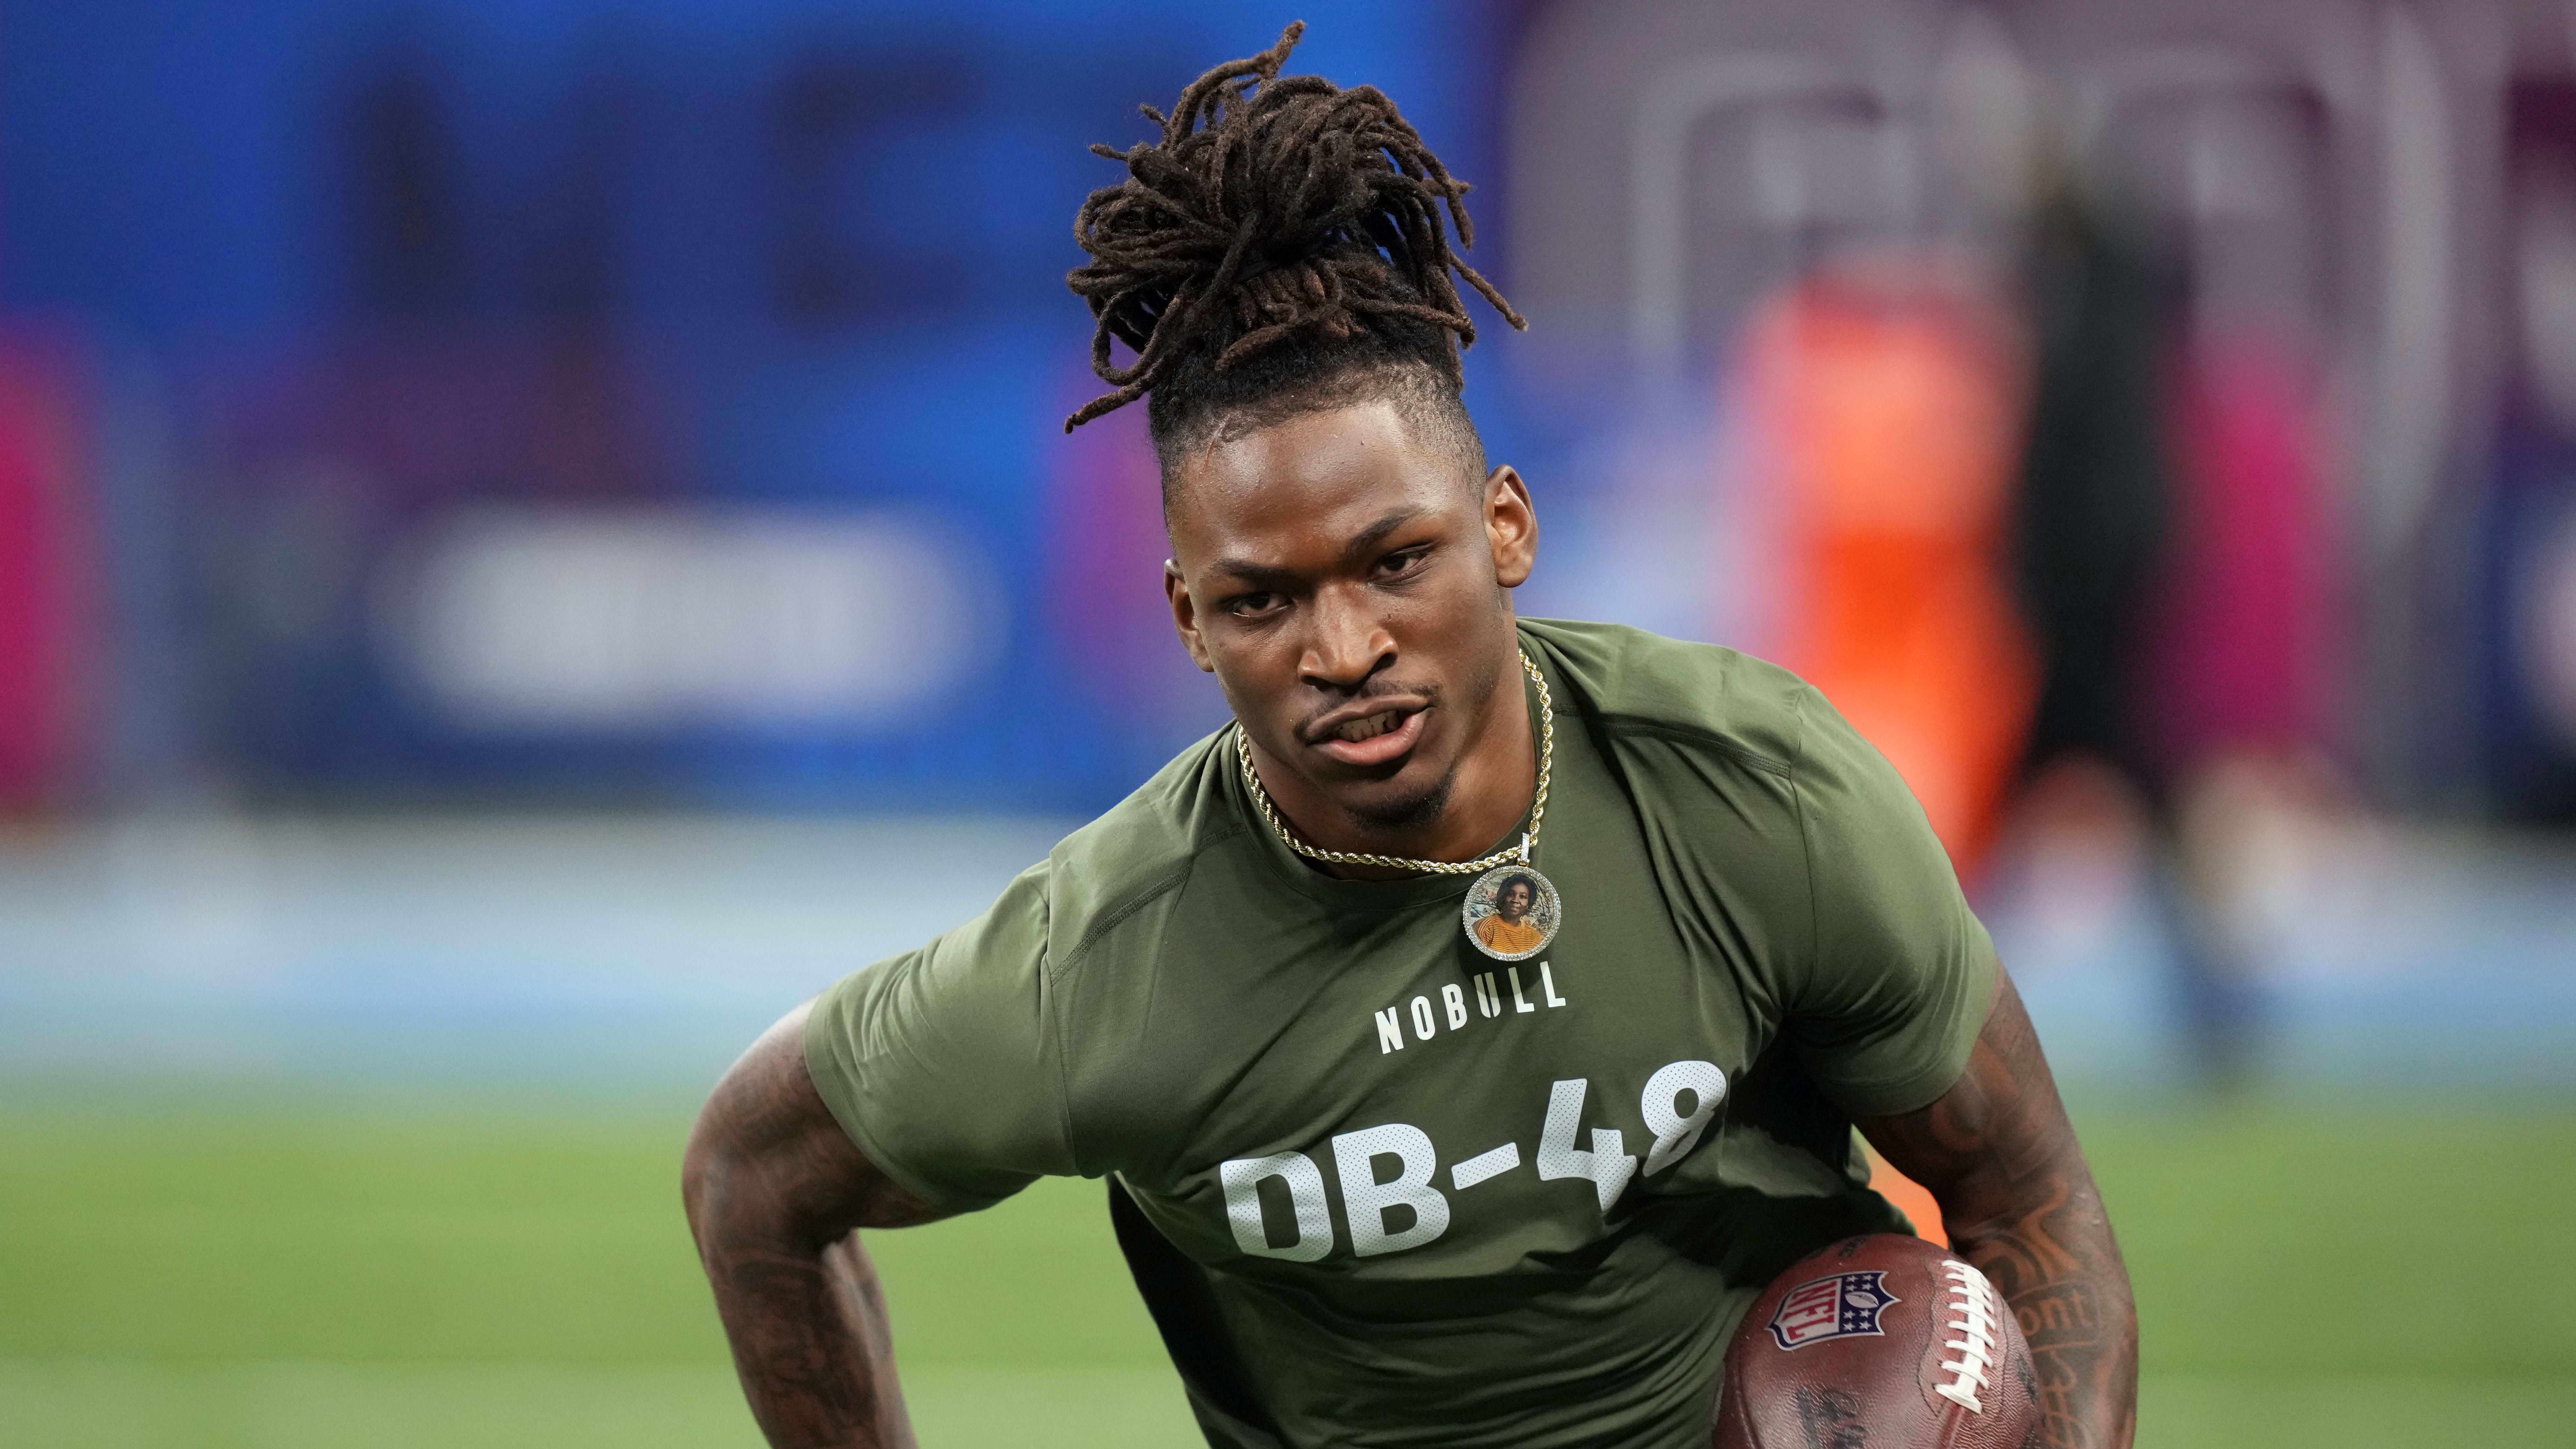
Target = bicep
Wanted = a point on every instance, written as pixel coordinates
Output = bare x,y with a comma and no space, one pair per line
766,1151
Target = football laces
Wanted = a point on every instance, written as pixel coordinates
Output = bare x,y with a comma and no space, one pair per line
1974,1307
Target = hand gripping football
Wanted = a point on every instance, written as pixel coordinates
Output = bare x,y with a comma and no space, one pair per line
1880,1342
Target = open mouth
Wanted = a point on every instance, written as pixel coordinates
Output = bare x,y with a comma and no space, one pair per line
1374,739
1371,727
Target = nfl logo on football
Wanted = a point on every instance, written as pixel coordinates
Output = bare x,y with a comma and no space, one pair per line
1836,1307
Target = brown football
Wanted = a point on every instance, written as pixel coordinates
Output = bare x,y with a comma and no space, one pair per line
1879,1342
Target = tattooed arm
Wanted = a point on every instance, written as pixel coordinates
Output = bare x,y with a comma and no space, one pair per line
2019,1202
776,1192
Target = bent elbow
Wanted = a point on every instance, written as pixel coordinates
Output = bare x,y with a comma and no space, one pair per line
713,1168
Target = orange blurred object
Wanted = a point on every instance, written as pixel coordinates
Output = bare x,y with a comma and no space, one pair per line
1911,1199
1884,411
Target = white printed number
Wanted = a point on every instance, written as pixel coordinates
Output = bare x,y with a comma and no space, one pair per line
1558,1157
1677,1132
1388,1214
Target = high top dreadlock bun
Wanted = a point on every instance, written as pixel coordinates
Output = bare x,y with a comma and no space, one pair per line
1279,248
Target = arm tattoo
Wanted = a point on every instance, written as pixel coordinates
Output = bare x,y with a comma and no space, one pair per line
1998,1154
775,1192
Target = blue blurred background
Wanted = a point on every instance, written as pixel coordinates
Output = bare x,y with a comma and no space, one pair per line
535,535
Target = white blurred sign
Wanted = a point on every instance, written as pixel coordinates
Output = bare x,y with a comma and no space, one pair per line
561,621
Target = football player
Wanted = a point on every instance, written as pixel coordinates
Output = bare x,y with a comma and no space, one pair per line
1382,1177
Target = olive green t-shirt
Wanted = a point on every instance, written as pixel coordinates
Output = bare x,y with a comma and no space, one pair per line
1400,1193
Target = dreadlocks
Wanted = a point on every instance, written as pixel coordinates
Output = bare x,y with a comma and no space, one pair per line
1280,249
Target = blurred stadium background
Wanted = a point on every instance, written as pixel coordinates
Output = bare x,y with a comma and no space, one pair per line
535,535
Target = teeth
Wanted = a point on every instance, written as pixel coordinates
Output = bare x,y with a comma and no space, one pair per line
1368,728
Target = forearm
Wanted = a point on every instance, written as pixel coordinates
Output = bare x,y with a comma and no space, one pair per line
2018,1200
775,1193
810,1342
2056,1263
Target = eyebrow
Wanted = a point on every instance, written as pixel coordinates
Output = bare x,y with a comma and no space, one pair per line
1271,577
1259,576
1373,535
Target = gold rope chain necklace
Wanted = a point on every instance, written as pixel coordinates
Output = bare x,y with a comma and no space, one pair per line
1520,852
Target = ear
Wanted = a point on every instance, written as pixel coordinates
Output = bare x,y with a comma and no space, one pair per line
1511,526
1185,616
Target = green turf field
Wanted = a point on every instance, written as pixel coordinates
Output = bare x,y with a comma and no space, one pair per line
247,1279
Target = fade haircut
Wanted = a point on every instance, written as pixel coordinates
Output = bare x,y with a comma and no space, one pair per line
1282,249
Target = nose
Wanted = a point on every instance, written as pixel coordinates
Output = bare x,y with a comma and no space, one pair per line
1346,644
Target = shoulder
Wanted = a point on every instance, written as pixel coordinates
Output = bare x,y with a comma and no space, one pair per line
1654,696
950,1063
1702,697
1092,880
1142,850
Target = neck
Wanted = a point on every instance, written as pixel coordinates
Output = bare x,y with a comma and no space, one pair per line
1489,793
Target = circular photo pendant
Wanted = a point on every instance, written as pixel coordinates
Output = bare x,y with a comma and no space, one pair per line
1511,913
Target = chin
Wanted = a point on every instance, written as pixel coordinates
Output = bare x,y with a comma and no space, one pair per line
1398,804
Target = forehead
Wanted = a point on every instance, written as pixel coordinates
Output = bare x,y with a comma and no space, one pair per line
1308,482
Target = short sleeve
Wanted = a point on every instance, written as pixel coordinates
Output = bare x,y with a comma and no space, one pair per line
940,1062
1901,973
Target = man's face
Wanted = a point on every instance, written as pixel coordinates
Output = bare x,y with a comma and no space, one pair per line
1514,902
1348,587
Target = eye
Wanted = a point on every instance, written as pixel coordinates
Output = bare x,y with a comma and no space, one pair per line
1403,561
1249,606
